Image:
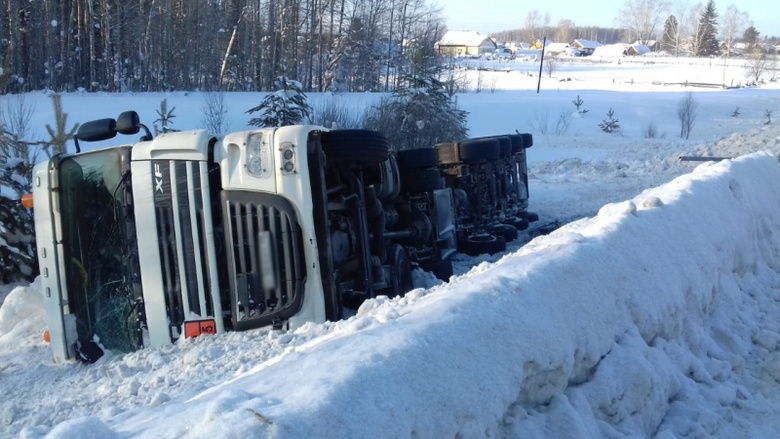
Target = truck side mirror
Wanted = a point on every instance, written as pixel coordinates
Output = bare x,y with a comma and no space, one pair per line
128,123
95,130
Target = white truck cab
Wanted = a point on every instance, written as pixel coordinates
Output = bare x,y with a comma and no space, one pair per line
144,243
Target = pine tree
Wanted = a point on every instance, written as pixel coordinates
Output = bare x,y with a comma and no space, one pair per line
750,38
286,106
670,40
17,242
420,114
59,134
165,117
707,33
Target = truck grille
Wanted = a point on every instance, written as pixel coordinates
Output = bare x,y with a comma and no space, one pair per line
266,265
187,279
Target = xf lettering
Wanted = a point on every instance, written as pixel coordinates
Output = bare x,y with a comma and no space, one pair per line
158,178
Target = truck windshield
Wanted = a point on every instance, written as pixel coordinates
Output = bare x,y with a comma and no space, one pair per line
99,246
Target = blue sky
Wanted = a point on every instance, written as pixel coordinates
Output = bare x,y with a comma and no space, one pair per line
510,14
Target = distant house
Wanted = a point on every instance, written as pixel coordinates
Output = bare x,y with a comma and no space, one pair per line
586,47
610,51
653,45
637,49
514,46
537,45
465,43
556,48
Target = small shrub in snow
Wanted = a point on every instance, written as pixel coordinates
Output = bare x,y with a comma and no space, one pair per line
757,65
479,84
540,122
215,113
610,124
563,123
578,104
164,117
15,121
550,65
650,131
59,135
686,112
333,115
735,113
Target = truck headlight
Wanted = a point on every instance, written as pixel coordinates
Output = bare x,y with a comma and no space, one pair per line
259,160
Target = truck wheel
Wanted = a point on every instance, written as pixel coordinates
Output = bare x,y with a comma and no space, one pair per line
424,180
517,143
480,244
530,216
421,158
361,146
504,146
528,140
509,233
402,271
479,150
517,223
385,176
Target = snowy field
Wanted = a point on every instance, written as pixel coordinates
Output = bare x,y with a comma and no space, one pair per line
654,312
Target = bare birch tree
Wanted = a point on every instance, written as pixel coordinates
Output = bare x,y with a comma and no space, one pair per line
642,19
732,26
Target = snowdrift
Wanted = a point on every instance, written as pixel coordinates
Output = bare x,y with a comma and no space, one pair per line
633,322
654,318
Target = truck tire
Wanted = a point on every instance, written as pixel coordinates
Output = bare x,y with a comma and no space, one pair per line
530,216
480,244
424,180
421,158
517,223
385,176
479,150
528,140
505,231
361,146
517,143
504,146
402,281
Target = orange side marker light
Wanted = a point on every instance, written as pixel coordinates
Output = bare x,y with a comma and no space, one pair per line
27,201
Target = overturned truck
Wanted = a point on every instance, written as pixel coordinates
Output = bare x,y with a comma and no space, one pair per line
188,233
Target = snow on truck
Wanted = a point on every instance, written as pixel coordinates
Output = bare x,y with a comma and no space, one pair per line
189,233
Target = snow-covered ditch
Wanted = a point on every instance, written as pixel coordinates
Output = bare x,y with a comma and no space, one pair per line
657,317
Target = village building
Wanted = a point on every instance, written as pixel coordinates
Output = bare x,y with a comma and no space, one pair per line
637,49
465,43
538,45
585,47
610,51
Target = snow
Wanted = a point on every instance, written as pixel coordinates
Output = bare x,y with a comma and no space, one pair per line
654,312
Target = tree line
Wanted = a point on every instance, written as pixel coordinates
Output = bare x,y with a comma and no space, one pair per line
210,45
696,29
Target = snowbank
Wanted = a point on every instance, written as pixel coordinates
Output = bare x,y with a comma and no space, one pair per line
636,322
